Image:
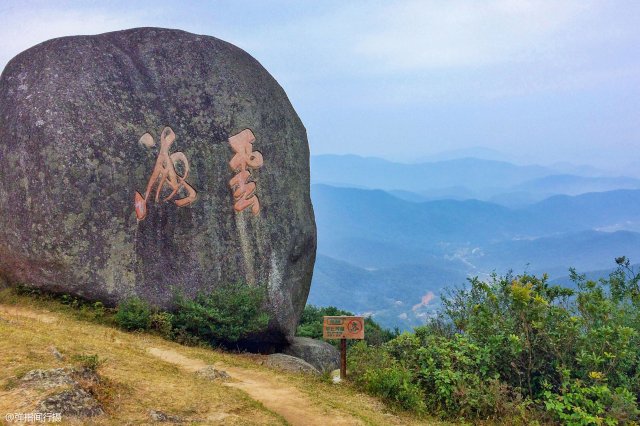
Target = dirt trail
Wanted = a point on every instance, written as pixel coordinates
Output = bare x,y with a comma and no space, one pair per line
14,311
275,394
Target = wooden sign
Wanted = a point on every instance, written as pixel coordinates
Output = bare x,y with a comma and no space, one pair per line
343,328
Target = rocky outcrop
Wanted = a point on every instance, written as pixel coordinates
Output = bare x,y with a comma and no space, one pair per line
321,355
151,162
74,402
69,395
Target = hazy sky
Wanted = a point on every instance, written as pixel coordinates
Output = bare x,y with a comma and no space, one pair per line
541,81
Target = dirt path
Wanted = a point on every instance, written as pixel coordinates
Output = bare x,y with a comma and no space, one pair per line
14,311
276,395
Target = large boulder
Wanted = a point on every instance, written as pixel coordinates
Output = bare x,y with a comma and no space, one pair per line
321,355
151,162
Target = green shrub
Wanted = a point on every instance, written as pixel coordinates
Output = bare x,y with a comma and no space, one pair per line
579,403
182,336
91,362
226,315
162,323
134,314
376,372
520,348
310,324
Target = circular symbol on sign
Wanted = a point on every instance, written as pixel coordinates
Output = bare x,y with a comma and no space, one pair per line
354,326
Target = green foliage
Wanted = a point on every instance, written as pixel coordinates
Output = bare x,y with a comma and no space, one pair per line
91,362
226,315
594,404
162,323
81,308
373,369
25,290
311,325
521,348
134,314
375,335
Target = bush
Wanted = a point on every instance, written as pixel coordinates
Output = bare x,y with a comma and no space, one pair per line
134,314
579,403
228,314
374,370
521,348
162,323
90,362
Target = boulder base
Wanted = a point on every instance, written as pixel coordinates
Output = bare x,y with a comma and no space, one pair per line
321,355
290,363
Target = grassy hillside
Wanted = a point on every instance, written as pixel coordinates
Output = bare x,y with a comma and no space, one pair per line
142,372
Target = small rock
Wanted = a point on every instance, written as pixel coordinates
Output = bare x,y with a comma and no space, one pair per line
290,363
73,402
54,351
212,374
159,416
335,376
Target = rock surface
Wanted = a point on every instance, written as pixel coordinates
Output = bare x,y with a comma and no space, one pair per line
321,355
71,402
161,417
211,373
49,378
69,396
88,124
290,363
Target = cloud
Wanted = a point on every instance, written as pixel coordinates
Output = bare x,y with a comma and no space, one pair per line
387,53
417,52
422,35
426,299
26,27
418,35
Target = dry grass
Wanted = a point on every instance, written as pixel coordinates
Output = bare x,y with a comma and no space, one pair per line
136,382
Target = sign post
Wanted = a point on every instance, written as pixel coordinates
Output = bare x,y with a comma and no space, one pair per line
343,328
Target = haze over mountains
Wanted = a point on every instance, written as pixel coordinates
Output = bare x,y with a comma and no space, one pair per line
392,236
463,178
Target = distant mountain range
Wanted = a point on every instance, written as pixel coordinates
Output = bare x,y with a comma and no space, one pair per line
478,152
463,178
474,174
349,217
392,237
413,248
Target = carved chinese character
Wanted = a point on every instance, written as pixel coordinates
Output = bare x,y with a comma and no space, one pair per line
242,163
165,174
